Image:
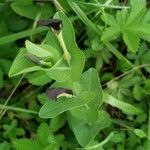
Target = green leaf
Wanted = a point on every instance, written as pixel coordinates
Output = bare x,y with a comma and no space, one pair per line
5,65
77,57
52,108
57,122
4,146
22,65
109,19
36,50
84,131
19,35
26,144
52,40
138,8
90,82
30,10
143,30
42,134
131,40
121,17
59,72
140,133
125,107
38,78
146,18
147,87
110,33
145,60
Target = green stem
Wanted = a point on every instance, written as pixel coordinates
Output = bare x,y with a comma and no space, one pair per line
4,109
67,55
18,109
122,123
35,24
100,5
127,72
113,50
16,36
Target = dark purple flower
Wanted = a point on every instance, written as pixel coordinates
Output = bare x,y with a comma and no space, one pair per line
51,23
53,93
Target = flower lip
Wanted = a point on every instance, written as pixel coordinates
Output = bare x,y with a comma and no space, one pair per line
53,93
51,23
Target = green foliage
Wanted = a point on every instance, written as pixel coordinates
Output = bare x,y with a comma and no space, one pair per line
130,24
100,52
31,10
45,139
11,131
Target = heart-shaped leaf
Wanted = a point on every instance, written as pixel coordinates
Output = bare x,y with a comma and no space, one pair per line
53,108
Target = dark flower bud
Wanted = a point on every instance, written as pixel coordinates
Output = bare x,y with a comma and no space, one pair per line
38,61
32,58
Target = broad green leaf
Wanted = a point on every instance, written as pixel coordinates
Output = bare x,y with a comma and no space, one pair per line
52,108
30,10
38,78
131,40
52,40
60,71
57,123
125,107
77,57
138,8
90,82
85,132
